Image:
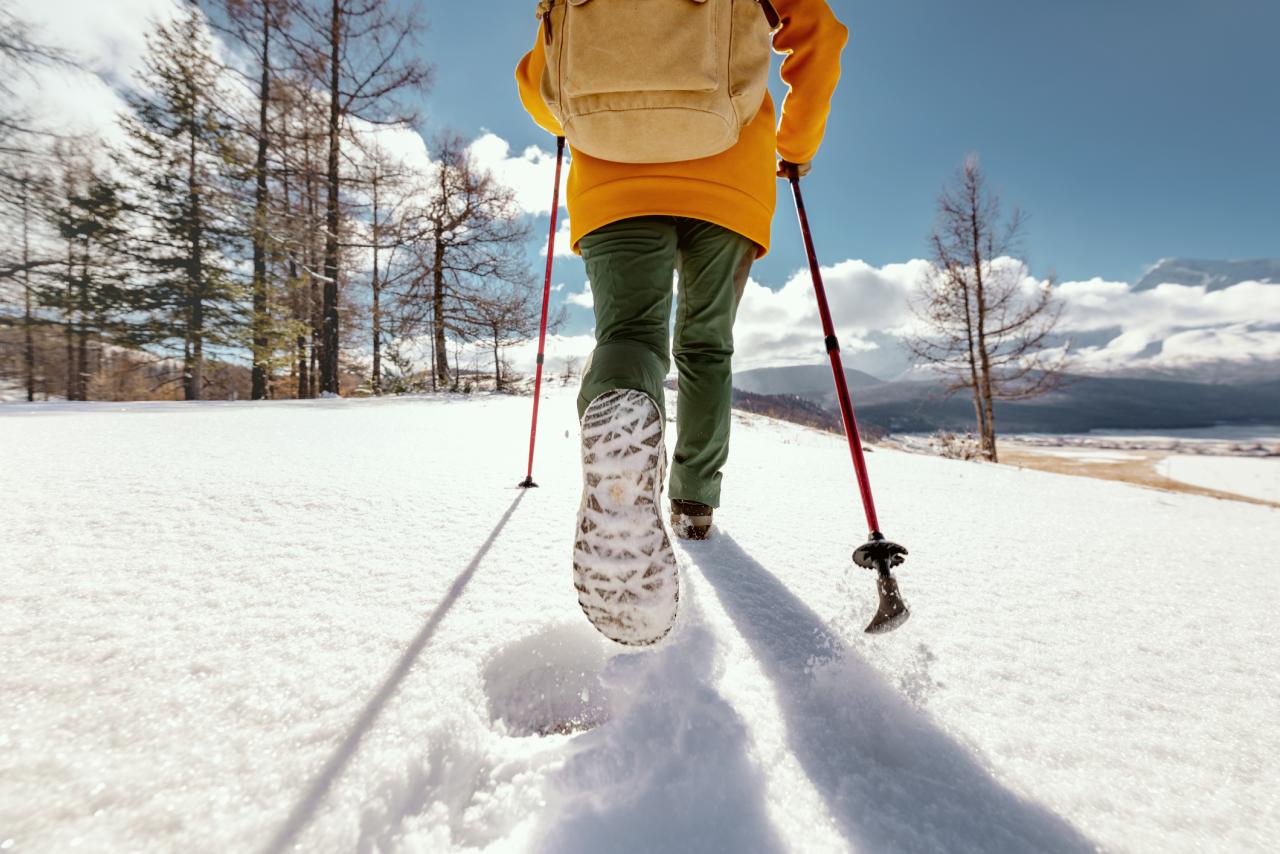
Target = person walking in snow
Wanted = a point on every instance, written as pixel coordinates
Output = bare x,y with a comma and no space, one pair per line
671,128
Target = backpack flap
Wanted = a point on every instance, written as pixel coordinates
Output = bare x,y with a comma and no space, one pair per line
609,47
654,81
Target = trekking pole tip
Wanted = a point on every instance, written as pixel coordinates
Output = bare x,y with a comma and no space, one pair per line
881,555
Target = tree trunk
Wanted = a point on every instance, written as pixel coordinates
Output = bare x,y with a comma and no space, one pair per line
432,348
82,363
71,323
988,414
300,340
313,262
82,333
195,274
28,341
329,365
437,303
376,313
497,364
260,324
186,360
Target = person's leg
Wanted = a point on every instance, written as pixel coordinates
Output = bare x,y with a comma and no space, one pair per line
624,568
713,263
629,264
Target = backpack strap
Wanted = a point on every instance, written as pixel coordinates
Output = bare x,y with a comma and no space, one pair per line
544,15
770,14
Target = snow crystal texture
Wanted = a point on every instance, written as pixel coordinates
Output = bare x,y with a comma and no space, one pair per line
337,626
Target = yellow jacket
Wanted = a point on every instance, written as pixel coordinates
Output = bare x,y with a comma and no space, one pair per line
734,188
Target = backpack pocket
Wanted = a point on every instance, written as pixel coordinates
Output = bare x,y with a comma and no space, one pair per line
613,46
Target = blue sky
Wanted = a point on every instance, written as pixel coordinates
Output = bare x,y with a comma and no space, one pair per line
1130,130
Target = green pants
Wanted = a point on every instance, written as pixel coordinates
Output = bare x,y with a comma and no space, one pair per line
629,264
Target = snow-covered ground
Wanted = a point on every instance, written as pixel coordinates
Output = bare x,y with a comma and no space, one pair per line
1255,477
1086,455
336,625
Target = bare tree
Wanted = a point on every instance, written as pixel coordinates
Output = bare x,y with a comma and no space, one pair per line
502,314
300,139
471,241
19,54
360,52
571,367
986,322
254,24
392,192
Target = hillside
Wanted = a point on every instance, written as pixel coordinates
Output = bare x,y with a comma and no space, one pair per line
1084,404
337,625
802,380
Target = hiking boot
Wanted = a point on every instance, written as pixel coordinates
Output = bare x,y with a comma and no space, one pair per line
623,566
690,520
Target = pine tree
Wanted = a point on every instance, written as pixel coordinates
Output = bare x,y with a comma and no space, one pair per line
92,291
181,163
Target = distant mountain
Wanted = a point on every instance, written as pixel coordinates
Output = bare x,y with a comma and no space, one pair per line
1211,371
809,381
1086,403
789,407
1265,389
1214,275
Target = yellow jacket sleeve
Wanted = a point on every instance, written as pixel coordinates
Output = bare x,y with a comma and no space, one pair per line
811,40
529,79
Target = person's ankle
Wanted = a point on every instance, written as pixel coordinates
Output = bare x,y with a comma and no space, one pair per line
690,520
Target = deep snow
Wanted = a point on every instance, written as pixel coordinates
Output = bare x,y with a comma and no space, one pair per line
337,625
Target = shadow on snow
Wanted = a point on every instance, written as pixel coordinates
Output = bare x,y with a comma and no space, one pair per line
671,772
892,778
305,809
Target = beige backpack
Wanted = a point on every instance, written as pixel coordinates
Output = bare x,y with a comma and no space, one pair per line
655,81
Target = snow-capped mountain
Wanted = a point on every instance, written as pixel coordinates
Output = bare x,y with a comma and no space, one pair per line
1211,275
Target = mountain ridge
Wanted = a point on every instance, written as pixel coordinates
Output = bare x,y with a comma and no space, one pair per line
1085,403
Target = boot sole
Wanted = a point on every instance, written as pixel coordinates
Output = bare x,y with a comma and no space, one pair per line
624,568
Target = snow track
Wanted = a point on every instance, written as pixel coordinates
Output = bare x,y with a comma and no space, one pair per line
337,625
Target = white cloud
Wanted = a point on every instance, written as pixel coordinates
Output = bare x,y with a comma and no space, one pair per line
583,299
560,350
1167,327
109,38
530,174
107,41
1098,304
403,146
1184,325
783,327
564,248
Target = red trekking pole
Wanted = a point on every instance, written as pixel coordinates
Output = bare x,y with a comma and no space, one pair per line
877,553
546,298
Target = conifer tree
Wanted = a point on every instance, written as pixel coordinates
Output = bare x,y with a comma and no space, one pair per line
92,292
181,163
